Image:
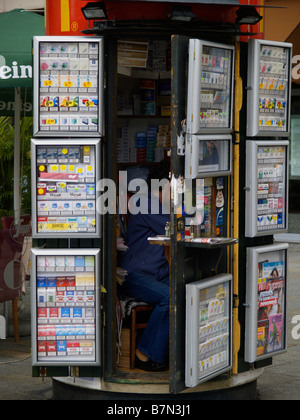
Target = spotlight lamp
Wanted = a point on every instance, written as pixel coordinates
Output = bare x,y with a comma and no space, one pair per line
182,14
248,16
94,11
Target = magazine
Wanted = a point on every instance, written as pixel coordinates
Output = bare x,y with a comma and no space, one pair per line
213,241
275,332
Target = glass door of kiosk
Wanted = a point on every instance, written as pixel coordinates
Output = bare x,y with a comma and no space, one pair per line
269,84
210,87
267,187
266,297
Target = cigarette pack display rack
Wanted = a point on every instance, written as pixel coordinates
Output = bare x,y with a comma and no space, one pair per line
208,328
210,87
65,293
269,88
207,156
68,86
266,187
266,320
64,197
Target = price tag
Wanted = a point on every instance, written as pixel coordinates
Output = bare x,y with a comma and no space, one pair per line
68,84
49,103
58,226
51,122
48,83
87,84
89,103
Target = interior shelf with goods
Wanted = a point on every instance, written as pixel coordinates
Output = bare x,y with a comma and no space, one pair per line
144,107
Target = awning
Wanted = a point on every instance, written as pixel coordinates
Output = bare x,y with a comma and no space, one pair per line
17,29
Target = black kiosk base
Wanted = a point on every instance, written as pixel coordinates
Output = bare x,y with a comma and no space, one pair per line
92,389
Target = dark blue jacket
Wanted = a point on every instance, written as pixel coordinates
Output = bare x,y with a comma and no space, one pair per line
141,256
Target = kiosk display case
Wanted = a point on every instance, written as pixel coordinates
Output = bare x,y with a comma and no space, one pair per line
68,87
266,187
208,328
64,196
208,156
65,307
210,87
266,332
269,88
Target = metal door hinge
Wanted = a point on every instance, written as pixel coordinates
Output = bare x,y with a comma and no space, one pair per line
181,145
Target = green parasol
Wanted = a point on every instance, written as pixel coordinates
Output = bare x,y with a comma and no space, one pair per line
17,28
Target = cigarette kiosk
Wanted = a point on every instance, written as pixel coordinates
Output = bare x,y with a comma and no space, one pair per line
144,82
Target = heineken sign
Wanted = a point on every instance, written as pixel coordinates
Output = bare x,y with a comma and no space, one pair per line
13,73
17,29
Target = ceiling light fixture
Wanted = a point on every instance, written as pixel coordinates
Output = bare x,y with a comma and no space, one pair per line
248,16
94,11
182,14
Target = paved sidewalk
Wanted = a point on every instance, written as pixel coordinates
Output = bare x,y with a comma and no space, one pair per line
16,382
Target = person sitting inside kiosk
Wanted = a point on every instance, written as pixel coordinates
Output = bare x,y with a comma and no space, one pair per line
147,278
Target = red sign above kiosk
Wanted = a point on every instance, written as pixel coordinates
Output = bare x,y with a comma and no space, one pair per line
65,17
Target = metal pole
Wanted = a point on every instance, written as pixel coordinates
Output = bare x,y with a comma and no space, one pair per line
236,214
17,159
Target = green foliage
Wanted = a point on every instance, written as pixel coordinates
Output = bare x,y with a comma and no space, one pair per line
7,134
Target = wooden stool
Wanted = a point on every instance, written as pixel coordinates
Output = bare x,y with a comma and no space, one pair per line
135,325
